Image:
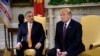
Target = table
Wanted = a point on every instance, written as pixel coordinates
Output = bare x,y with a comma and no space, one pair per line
9,40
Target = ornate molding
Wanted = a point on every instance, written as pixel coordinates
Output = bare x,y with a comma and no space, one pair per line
71,6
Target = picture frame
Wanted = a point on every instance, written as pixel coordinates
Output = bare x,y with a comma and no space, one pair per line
21,3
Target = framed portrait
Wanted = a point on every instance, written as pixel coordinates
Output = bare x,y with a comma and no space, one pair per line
21,3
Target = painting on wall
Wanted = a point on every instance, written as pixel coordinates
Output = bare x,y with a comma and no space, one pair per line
21,3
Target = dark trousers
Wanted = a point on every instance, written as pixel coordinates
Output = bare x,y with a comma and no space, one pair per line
51,52
25,46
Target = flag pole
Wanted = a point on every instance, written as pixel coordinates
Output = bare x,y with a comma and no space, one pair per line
6,46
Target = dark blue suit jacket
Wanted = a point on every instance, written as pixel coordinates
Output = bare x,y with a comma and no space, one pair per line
37,34
73,39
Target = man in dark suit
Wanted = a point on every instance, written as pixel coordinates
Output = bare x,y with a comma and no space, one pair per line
30,36
68,37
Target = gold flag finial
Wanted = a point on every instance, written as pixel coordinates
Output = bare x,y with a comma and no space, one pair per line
39,1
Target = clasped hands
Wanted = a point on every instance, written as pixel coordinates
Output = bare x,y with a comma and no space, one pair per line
59,53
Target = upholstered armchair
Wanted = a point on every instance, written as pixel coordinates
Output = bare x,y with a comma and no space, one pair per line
91,35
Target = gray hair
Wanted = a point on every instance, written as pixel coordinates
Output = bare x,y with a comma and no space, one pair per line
28,12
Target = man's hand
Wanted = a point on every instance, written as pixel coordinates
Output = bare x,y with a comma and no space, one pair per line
38,45
18,46
63,53
58,52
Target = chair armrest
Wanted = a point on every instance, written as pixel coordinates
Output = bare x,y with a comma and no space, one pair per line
94,45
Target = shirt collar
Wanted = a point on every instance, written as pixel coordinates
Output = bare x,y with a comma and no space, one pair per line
30,23
67,23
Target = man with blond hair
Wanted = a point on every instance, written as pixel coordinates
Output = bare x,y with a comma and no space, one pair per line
68,37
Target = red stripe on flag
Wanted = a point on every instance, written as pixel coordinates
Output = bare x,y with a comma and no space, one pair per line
5,11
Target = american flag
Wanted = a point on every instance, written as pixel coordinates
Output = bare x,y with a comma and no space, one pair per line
5,12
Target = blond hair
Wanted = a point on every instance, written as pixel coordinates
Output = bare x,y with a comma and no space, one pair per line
66,10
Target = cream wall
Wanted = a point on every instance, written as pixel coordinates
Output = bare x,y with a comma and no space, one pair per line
19,10
76,11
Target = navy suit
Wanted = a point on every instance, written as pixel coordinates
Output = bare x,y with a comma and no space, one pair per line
37,35
72,42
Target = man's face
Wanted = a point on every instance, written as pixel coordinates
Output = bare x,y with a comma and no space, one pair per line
65,16
29,17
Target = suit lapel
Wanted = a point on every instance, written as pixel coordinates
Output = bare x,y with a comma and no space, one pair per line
26,27
68,30
61,30
33,28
